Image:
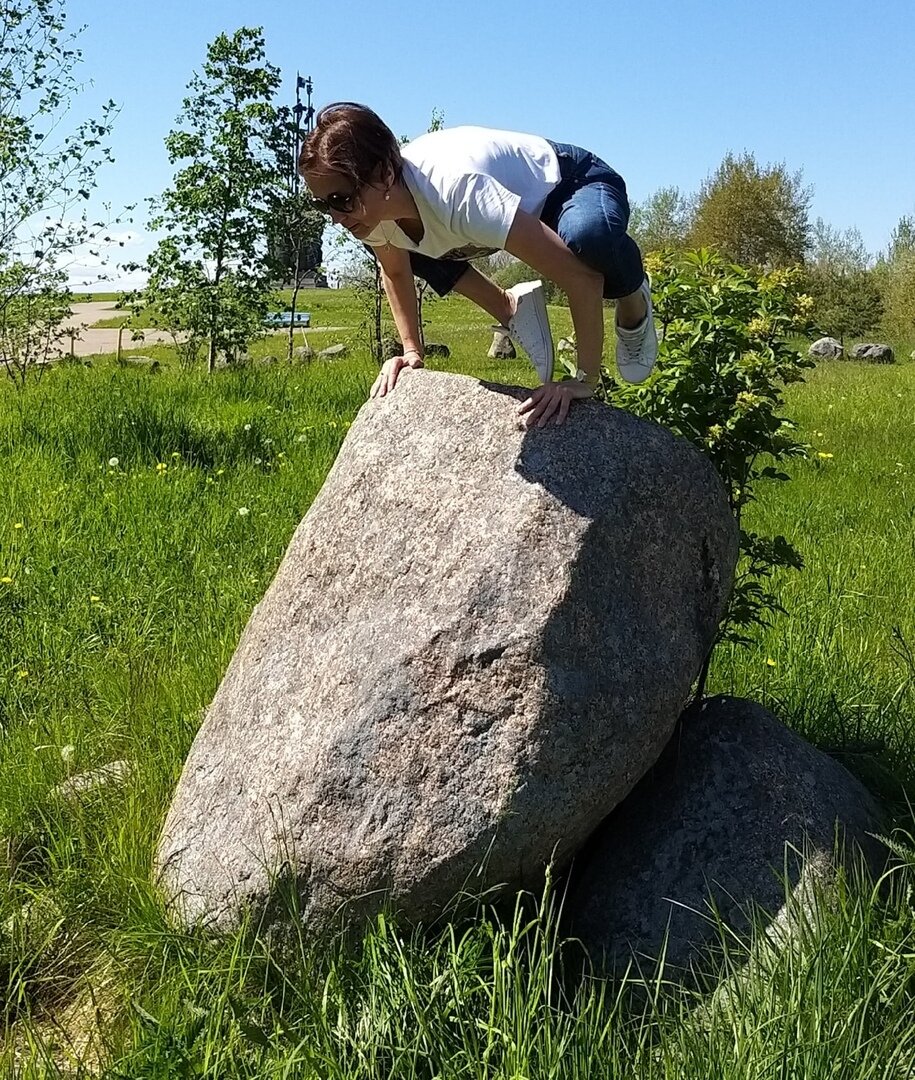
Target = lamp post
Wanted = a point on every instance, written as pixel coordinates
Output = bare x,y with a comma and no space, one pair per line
304,120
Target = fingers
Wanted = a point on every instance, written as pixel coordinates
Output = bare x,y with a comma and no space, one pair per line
531,402
550,402
387,377
563,411
540,405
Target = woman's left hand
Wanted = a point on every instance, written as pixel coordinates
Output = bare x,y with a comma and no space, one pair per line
551,402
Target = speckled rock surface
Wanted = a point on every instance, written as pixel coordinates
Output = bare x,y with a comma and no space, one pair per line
479,639
874,354
826,348
727,811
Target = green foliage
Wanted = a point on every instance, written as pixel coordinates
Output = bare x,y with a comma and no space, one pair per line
846,293
845,303
512,271
128,588
44,183
902,241
725,357
899,296
32,309
663,221
753,215
212,275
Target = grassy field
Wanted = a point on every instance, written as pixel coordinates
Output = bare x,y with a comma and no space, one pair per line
143,516
328,307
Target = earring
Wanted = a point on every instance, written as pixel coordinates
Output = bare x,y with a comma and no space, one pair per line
387,196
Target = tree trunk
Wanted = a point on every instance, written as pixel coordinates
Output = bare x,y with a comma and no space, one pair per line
378,347
296,279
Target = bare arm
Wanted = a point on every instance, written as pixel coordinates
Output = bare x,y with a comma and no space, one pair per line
397,278
532,242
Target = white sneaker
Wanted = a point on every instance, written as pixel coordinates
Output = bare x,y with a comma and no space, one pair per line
529,327
637,349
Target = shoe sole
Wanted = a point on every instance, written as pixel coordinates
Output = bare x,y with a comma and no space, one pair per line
536,297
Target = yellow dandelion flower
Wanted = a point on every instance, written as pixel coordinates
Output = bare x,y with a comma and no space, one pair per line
161,467
95,599
824,457
19,525
6,581
23,674
770,662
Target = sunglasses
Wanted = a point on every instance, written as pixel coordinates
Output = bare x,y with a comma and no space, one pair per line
337,201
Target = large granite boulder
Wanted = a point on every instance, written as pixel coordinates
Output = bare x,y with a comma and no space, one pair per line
736,802
480,638
874,354
826,348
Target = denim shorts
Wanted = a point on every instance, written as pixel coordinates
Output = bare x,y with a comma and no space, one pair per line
588,210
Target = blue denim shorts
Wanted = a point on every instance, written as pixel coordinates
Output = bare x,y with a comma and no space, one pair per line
588,210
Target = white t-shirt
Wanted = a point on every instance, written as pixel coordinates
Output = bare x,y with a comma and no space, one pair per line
468,183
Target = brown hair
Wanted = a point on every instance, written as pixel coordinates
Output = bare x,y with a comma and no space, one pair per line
351,140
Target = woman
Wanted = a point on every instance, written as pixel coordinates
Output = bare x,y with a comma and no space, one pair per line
454,194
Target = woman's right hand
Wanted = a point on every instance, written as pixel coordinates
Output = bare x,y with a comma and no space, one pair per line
390,369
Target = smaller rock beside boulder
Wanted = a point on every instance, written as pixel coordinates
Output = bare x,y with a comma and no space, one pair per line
303,352
874,354
826,348
90,783
333,352
142,363
502,347
390,347
736,800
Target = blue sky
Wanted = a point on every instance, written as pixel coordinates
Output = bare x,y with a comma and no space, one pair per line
662,91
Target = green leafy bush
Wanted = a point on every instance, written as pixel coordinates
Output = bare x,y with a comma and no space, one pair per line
725,358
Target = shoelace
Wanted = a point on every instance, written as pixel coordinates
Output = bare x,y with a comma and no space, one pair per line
633,348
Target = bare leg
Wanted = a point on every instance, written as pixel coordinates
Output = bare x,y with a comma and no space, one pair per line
631,310
485,294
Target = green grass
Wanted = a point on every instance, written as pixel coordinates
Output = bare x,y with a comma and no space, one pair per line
129,585
328,307
95,297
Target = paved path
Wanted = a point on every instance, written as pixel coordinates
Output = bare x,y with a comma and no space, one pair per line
88,342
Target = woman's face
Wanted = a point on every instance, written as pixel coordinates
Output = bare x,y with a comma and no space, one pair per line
357,208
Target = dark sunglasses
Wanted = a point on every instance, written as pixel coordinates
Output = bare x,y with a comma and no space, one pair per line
336,201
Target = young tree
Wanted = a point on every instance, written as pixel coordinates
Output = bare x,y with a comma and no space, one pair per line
295,228
834,249
895,273
217,212
902,240
899,298
846,295
362,272
662,222
45,178
753,215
